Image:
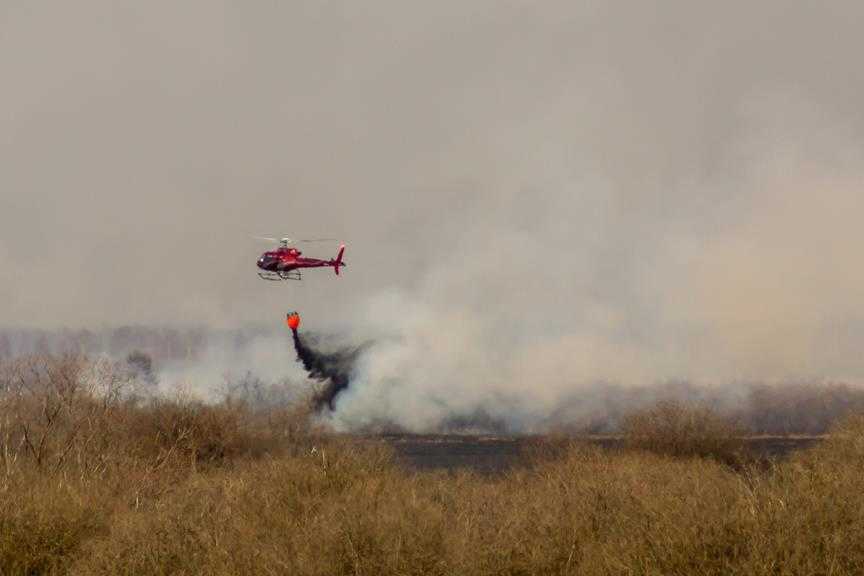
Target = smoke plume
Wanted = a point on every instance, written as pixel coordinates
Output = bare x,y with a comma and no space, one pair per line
552,210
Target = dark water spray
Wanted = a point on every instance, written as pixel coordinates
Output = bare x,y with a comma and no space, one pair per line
333,369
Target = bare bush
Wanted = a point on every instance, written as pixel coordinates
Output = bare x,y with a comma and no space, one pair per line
674,429
68,412
56,409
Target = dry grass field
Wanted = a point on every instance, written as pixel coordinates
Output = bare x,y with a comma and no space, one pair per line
94,480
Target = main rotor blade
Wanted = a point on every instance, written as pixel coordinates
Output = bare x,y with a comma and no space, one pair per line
293,240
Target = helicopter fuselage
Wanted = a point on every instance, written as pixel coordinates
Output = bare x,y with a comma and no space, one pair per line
286,263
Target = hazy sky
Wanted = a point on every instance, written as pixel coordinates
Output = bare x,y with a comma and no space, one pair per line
141,143
659,188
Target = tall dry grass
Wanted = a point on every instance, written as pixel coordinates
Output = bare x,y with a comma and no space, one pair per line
126,486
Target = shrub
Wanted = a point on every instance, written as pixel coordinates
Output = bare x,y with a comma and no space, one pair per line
674,429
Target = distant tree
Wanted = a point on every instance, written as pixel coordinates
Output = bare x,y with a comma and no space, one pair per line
5,346
42,345
140,366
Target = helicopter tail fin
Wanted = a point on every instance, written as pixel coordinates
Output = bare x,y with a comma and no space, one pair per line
338,261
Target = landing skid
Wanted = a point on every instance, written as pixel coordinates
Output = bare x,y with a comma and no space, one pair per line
279,276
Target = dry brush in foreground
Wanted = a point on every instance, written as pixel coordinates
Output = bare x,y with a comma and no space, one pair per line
123,486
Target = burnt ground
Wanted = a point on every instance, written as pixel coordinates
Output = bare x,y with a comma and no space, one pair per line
496,454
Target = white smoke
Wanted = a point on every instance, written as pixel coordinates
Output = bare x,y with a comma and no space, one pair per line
223,363
552,294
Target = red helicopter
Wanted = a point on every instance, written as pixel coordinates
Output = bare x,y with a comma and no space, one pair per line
286,262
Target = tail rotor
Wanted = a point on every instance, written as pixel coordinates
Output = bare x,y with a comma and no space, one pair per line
337,262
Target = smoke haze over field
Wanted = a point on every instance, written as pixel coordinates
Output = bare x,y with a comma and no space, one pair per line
537,198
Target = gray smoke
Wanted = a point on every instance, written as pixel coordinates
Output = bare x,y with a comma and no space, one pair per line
538,200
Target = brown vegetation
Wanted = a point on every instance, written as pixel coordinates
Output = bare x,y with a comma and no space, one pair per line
95,480
673,429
